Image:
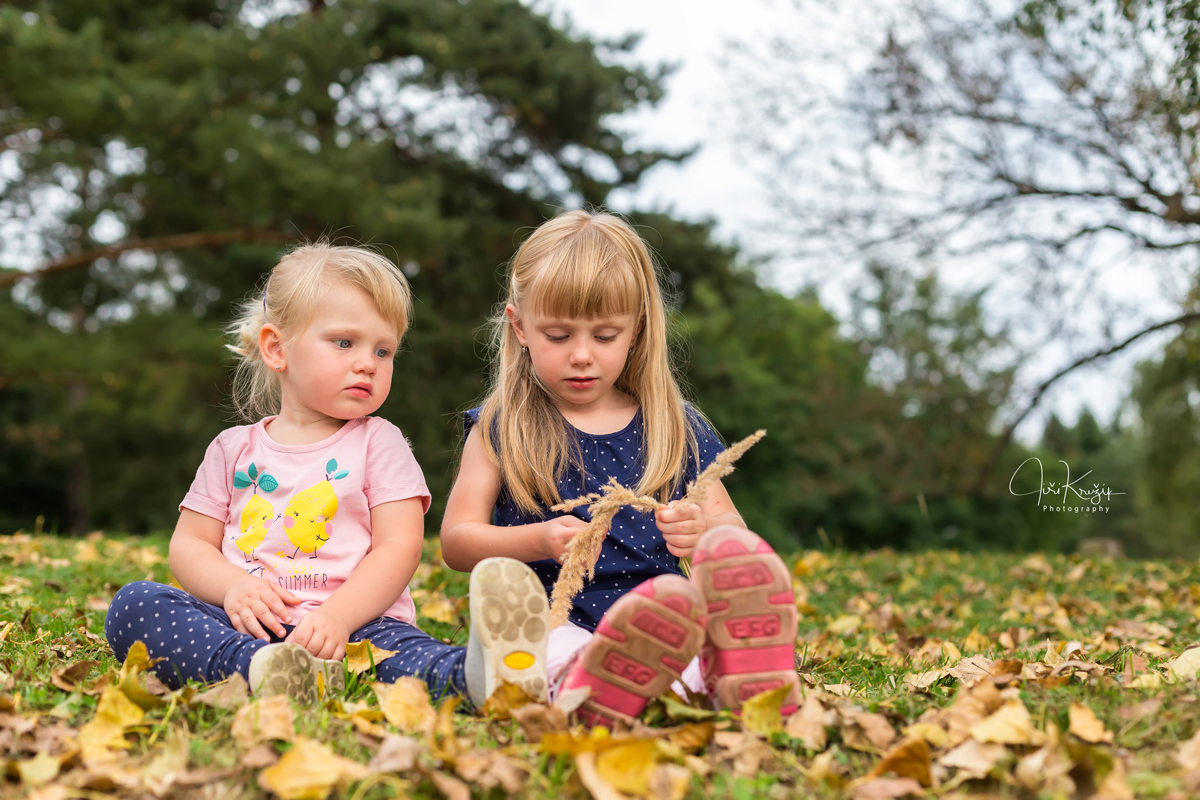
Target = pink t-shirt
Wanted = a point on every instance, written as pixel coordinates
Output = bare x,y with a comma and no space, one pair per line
300,515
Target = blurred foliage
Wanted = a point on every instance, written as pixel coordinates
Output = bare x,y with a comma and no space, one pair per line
439,132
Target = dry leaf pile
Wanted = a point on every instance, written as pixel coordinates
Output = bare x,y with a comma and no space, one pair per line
930,675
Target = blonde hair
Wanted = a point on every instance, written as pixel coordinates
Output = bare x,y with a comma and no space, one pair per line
289,300
582,265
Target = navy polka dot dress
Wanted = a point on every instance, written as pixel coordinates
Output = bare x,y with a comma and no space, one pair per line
634,550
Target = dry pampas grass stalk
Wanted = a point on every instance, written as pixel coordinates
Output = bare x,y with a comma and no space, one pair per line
605,504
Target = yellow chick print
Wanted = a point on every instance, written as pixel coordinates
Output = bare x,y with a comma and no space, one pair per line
307,518
258,514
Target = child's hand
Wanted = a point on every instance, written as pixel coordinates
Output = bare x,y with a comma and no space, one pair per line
681,525
256,600
557,533
322,633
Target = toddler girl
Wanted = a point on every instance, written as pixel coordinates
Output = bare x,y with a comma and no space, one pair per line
302,530
583,391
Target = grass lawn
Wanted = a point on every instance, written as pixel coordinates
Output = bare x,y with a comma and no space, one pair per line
925,674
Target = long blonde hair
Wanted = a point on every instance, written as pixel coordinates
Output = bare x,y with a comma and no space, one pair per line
582,265
289,300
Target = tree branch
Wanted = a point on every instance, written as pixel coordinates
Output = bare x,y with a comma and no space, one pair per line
179,241
1006,438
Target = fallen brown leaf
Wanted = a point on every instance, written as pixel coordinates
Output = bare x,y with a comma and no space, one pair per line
489,769
450,787
1188,755
974,759
260,756
886,789
69,677
231,693
395,754
862,730
908,758
264,720
808,724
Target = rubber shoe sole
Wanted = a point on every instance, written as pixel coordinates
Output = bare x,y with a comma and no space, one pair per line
289,669
286,669
642,645
752,618
510,625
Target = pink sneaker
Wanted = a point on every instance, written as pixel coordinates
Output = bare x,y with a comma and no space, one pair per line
641,646
751,645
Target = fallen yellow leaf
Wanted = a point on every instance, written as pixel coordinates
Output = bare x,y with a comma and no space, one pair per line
361,656
39,770
761,714
504,700
437,607
405,704
309,771
1184,667
115,713
1011,724
627,767
137,661
1085,725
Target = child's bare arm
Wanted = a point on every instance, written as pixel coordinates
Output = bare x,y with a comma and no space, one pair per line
203,572
397,532
468,536
682,524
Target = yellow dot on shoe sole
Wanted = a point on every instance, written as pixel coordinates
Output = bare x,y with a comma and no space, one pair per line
519,660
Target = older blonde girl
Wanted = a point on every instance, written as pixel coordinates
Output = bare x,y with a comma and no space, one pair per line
583,391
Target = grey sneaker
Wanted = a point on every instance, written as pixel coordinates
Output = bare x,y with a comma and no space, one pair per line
510,624
289,669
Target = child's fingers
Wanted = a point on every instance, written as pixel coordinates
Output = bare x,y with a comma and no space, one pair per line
275,603
300,635
339,652
317,642
267,617
250,623
285,595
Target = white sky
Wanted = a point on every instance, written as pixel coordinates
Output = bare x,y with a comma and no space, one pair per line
714,184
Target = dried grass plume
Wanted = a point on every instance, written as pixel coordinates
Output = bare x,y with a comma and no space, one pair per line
605,504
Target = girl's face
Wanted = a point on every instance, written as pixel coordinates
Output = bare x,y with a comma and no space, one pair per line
579,360
341,365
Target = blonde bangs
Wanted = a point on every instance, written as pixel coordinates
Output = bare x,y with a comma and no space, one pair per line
584,278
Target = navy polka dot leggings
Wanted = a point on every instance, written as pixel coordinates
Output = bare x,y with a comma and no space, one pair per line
200,643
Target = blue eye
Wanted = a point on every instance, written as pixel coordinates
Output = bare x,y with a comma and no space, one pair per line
383,352
342,343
